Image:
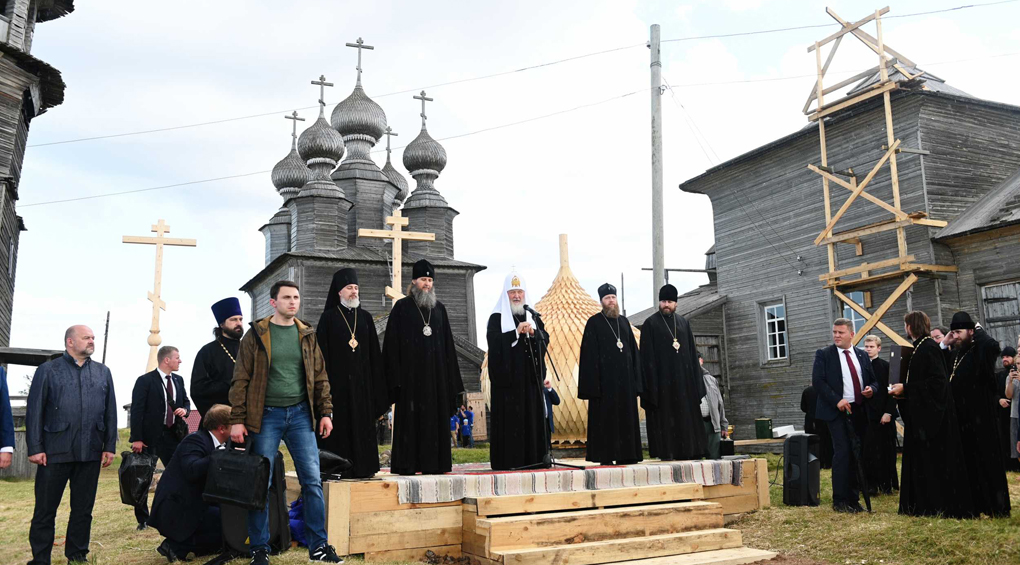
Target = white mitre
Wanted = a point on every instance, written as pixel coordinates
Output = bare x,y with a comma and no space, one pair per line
513,281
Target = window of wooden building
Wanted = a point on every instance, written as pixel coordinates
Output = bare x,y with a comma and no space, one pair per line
1001,309
775,344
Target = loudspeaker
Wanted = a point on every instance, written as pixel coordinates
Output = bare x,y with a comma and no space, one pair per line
801,470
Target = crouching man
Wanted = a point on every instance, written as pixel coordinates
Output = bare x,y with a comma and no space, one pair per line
178,511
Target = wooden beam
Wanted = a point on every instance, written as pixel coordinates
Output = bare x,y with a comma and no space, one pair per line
857,190
847,29
874,200
881,310
851,100
866,38
864,267
851,236
818,81
933,268
147,240
931,223
881,327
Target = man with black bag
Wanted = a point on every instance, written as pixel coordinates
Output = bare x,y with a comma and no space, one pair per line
159,404
279,391
178,511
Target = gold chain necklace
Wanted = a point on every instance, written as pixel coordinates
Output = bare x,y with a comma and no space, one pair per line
956,363
354,341
911,362
427,330
676,344
232,360
616,333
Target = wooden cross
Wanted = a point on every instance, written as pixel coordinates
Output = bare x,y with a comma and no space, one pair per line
157,303
359,45
389,133
322,84
397,235
423,99
296,119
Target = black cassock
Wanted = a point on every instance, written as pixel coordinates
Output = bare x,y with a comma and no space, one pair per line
212,372
357,384
934,478
610,380
880,441
972,379
424,382
673,388
517,402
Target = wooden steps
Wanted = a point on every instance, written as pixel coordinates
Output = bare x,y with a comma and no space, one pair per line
738,556
588,553
528,503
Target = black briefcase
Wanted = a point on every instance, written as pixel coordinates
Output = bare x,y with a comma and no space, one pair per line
135,476
236,477
234,520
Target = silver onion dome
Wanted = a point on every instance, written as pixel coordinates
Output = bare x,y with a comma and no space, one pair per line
290,173
320,141
359,115
397,179
424,154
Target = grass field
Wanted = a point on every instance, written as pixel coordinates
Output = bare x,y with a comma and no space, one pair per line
805,535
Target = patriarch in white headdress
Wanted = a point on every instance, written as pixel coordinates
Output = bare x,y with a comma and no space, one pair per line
510,307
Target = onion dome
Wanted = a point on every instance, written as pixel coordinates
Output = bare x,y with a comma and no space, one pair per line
290,174
359,115
424,154
320,141
397,179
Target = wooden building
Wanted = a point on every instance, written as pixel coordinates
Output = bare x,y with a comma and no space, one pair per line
316,231
28,87
959,164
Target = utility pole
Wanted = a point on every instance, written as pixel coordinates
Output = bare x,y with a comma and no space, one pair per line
106,335
658,253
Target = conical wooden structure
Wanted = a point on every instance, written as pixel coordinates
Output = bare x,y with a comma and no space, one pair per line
565,309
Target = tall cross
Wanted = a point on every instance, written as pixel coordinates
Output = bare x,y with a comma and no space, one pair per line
157,302
423,99
389,133
397,235
293,133
322,84
359,45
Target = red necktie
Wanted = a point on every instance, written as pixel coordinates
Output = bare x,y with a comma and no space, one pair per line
858,398
170,410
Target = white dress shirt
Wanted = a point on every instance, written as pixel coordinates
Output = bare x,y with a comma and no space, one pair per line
173,389
848,381
215,442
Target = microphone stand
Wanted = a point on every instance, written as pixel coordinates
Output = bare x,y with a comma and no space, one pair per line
542,337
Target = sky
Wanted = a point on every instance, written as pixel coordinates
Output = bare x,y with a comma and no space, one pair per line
579,164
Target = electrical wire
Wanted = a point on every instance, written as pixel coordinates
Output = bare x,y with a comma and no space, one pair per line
80,198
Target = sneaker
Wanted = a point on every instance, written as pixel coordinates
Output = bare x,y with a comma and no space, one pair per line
260,557
325,554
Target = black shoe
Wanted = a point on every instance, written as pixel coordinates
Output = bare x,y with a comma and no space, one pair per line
165,550
325,554
259,557
848,508
80,559
141,526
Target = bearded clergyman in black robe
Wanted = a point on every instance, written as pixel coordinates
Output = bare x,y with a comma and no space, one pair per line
422,376
609,378
518,436
975,355
214,364
350,349
933,478
673,385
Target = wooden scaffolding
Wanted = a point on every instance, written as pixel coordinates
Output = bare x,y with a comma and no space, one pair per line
904,266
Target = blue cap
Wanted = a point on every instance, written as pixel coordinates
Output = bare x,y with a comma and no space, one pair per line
226,308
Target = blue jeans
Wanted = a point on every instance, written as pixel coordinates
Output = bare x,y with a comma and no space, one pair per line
295,426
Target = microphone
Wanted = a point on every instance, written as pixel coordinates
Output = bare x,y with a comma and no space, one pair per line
532,311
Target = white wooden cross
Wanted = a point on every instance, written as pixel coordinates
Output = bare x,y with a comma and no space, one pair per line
397,235
157,303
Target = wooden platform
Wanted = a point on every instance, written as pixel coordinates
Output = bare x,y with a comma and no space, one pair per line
681,524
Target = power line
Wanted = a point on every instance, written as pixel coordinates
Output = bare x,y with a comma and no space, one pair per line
528,68
142,189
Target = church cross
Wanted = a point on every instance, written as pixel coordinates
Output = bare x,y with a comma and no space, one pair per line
396,221
157,303
389,133
322,84
359,45
423,99
293,133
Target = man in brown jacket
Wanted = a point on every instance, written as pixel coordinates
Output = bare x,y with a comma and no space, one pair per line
279,387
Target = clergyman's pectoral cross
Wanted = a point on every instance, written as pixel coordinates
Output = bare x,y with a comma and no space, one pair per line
396,234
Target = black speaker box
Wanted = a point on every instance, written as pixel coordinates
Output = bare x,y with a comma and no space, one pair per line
801,470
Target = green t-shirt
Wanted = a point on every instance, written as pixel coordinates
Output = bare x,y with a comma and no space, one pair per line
286,385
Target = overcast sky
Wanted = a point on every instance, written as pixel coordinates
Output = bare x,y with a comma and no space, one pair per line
133,66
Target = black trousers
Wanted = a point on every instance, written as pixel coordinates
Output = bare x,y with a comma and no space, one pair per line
208,537
50,481
845,487
164,449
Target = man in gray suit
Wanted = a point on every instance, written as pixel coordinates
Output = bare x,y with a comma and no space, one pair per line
71,428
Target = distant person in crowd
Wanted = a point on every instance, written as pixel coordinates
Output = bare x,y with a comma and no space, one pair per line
843,378
214,364
454,430
880,443
609,378
281,391
71,431
467,424
812,425
157,401
551,399
1005,408
933,477
713,412
939,333
1013,393
178,512
6,423
972,365
673,388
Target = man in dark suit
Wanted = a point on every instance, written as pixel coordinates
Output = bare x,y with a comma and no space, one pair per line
7,423
880,443
178,511
157,400
551,398
843,378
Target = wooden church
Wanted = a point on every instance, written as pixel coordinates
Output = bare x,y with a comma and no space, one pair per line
902,195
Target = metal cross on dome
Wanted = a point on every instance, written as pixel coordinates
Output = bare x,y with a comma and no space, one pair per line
322,84
389,133
296,119
423,99
359,45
